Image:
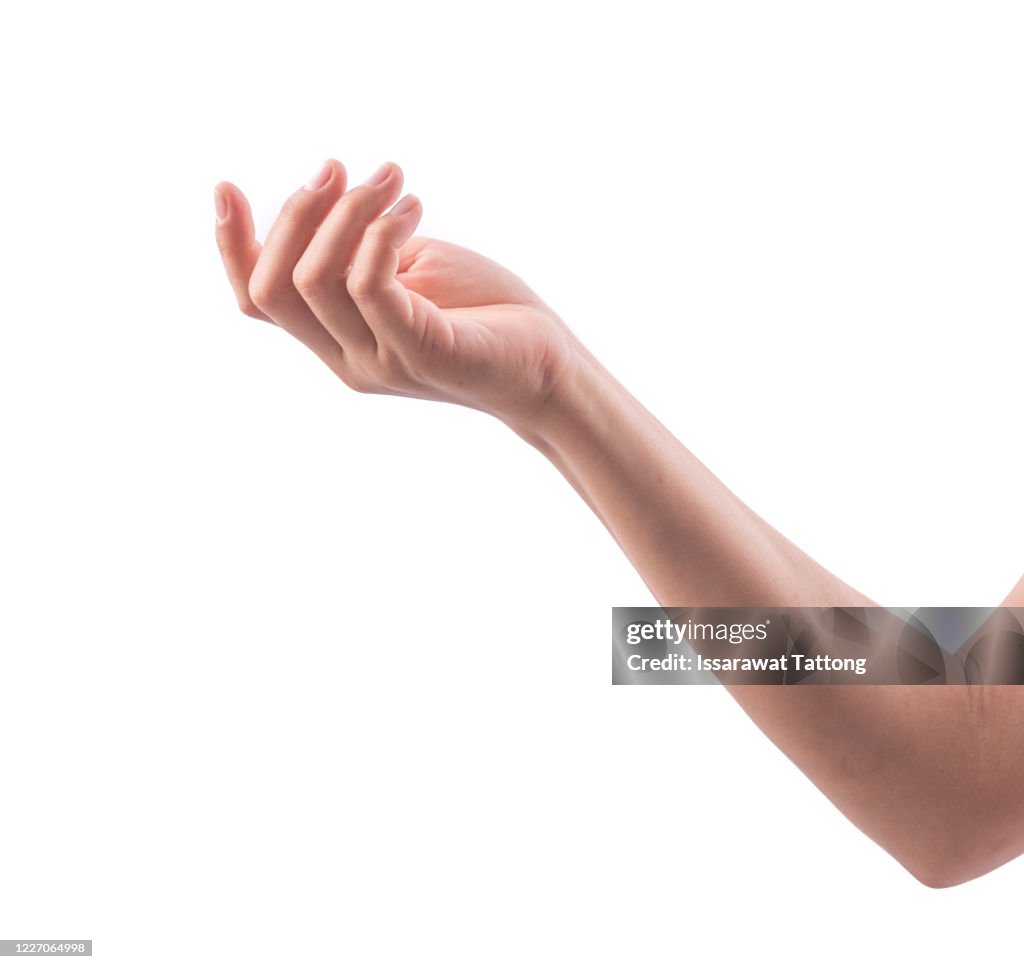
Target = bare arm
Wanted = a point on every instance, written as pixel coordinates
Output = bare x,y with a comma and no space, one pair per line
931,774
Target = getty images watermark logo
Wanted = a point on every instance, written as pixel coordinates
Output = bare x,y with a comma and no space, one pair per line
817,646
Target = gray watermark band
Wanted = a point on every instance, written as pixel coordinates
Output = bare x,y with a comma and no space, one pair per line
924,646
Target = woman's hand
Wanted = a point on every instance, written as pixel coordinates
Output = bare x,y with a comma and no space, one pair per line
390,312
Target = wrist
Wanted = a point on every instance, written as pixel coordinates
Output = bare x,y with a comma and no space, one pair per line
574,399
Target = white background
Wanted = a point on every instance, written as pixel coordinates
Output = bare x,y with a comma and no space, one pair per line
292,676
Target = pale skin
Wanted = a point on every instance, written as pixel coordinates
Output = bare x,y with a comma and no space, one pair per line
933,775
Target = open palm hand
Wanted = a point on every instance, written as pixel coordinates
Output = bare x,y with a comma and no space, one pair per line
390,312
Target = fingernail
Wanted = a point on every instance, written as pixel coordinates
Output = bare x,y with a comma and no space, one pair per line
320,179
380,176
404,205
220,203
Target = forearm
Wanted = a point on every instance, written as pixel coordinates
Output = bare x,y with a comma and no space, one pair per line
901,762
691,539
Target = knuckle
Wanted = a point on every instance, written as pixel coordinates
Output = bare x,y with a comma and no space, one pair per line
360,285
359,197
376,230
361,383
309,279
249,308
261,291
358,206
375,239
290,210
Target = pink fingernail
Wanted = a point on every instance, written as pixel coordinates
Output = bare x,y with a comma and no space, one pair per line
220,203
380,176
320,179
404,205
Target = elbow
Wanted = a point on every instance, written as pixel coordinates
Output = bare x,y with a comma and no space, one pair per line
944,872
959,850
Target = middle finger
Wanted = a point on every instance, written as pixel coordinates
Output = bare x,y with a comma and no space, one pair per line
320,273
